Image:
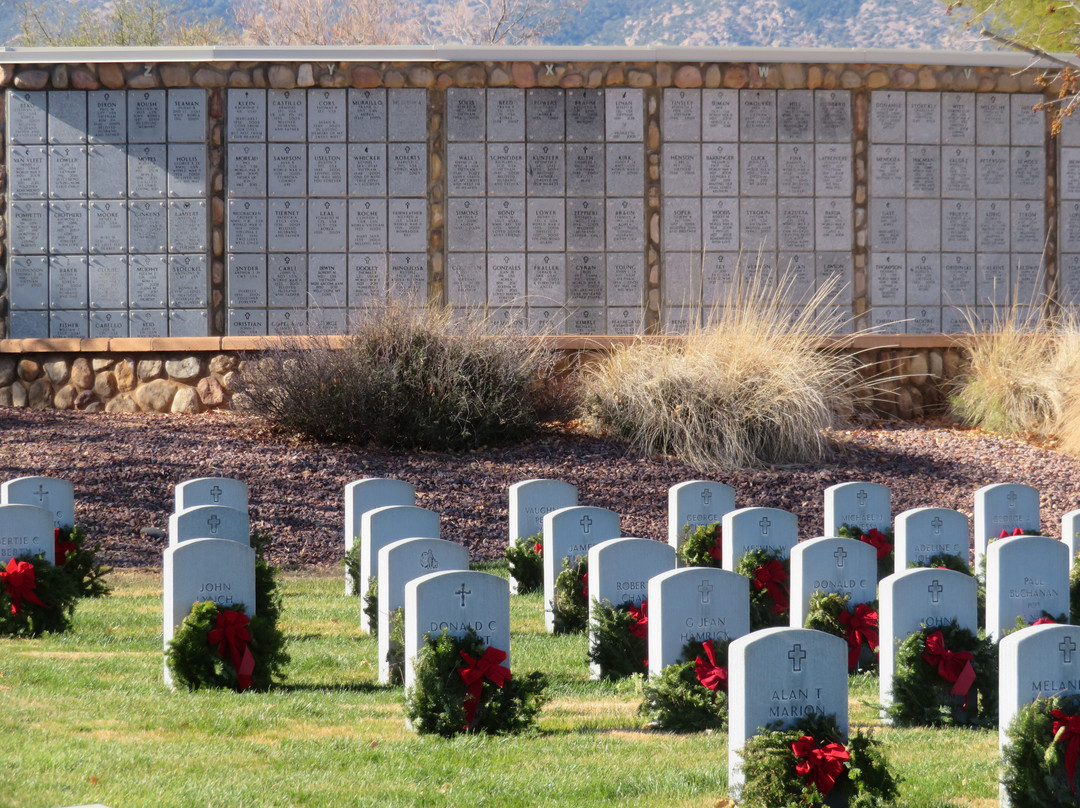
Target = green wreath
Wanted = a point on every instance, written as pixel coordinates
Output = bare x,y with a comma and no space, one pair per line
436,703
1074,591
770,602
351,563
620,643
771,768
702,546
395,654
922,697
80,562
526,558
371,606
859,628
881,540
1034,771
678,700
570,604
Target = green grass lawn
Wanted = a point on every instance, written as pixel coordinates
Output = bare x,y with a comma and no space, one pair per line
85,718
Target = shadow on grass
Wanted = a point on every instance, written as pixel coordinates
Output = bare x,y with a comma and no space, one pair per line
353,687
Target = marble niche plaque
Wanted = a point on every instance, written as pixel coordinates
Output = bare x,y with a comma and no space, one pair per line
286,280
625,114
407,278
146,115
27,117
69,324
958,119
887,224
326,115
187,225
887,169
187,323
833,176
795,224
148,285
505,279
1027,178
718,276
407,225
757,169
584,224
545,224
682,115
795,169
285,171
465,170
187,170
585,279
107,223
546,279
992,279
29,324
108,282
1027,226
757,225
923,117
246,115
246,274
186,116
832,224
286,116
286,226
106,116
147,172
682,169
29,223
327,280
106,169
506,169
795,115
832,116
720,168
506,224
326,169
720,115
286,322
188,282
625,279
545,169
246,322
992,225
584,115
958,279
406,165
367,169
148,324
68,227
625,322
836,272
757,115
585,170
247,170
68,276
505,114
887,274
367,116
327,225
367,225
625,169
67,172
992,164
29,282
28,171
1027,126
407,115
466,280
924,225
958,172
466,225
625,224
923,171
992,115
465,114
924,279
246,225
67,117
958,225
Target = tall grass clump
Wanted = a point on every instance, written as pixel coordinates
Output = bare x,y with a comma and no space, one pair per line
750,388
414,378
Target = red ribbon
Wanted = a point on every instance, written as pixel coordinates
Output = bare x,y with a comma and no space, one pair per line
717,550
62,548
231,635
879,541
1045,621
487,667
709,673
1067,731
538,548
19,581
585,586
1006,534
640,628
771,577
953,666
820,764
862,626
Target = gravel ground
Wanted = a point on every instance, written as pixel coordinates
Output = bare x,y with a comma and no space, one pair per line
124,468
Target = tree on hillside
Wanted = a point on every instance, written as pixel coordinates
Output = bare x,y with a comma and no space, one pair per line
60,23
502,22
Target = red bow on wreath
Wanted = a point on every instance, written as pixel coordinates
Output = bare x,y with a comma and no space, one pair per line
62,548
1006,534
771,577
487,667
585,586
952,666
1067,731
538,548
231,636
820,764
862,626
717,550
19,581
640,628
709,673
1045,621
879,541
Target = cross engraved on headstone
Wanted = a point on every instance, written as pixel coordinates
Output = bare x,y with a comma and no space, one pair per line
1067,646
215,493
214,523
862,497
585,523
937,524
41,493
463,592
935,589
764,525
705,588
796,655
840,555
1012,499
706,496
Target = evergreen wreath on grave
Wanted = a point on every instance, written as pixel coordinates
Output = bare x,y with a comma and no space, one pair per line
810,765
620,639
1074,592
945,675
351,563
881,541
1046,619
857,625
691,695
460,685
220,646
371,605
1039,761
36,596
702,546
526,558
770,598
570,604
395,654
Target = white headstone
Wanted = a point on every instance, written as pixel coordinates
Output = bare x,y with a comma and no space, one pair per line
922,533
1025,576
400,562
619,573
1070,534
570,533
1036,662
530,501
206,569
454,601
862,505
748,529
26,530
914,598
694,603
844,566
365,495
54,495
1003,506
382,526
782,675
694,503
211,491
209,522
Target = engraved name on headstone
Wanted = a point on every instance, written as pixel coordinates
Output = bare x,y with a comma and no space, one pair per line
326,115
584,115
367,225
285,172
68,226
246,278
367,115
147,171
505,114
186,121
27,117
148,283
407,114
107,222
246,169
286,116
67,172
106,116
406,165
187,170
327,226
146,110
108,282
68,276
407,224
286,280
246,115
188,282
28,172
624,114
188,225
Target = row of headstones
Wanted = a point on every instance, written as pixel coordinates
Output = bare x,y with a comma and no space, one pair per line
31,509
